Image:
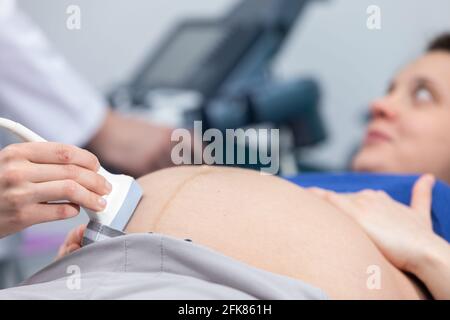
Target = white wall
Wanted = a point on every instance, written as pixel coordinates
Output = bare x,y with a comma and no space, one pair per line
354,64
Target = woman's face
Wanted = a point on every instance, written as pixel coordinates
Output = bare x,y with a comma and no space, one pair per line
410,127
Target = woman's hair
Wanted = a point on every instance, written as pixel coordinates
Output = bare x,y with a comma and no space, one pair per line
441,43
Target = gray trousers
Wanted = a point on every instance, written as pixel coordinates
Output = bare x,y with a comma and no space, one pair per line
154,266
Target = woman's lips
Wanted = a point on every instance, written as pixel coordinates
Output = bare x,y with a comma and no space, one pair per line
375,136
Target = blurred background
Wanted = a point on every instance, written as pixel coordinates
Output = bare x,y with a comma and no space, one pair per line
327,48
329,40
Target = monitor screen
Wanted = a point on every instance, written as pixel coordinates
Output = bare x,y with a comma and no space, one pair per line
184,55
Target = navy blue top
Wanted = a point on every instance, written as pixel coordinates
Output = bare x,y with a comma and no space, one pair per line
399,187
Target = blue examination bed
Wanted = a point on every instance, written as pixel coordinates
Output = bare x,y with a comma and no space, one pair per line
399,187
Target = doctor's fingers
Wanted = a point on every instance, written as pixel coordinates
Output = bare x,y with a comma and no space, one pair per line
67,190
51,172
51,153
41,213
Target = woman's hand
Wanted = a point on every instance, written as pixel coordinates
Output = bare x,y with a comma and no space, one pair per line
403,234
33,174
399,231
72,242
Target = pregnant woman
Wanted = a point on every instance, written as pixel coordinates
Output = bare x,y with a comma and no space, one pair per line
274,225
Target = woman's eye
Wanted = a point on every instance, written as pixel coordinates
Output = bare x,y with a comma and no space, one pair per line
423,95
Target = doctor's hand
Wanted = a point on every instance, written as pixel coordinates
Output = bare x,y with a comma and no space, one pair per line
131,145
33,174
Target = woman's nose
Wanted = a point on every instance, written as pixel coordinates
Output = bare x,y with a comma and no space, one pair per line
383,109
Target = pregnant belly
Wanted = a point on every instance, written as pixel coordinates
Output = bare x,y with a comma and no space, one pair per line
270,224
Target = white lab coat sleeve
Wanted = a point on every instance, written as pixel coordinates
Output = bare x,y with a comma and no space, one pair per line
37,86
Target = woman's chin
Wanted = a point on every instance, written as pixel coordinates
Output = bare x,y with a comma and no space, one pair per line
369,161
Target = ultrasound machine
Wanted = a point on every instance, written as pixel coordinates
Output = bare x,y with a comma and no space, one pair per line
218,71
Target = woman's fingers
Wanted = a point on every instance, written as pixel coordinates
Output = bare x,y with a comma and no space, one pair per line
422,195
51,172
70,238
54,153
68,190
319,192
66,249
343,202
72,247
80,233
76,235
72,241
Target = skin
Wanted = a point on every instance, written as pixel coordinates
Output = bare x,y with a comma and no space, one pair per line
403,234
72,241
32,174
132,146
283,233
